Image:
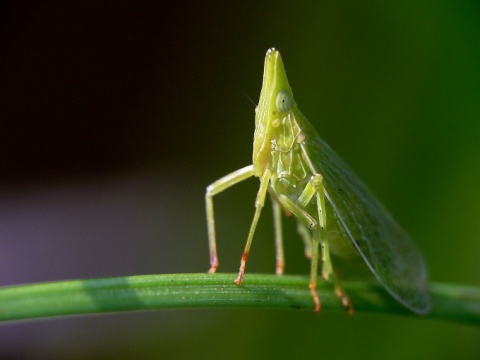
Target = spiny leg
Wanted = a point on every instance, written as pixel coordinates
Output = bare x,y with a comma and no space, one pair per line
259,202
307,221
315,188
329,275
212,190
327,268
311,189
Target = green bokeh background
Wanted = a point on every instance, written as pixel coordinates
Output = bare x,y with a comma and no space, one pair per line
151,98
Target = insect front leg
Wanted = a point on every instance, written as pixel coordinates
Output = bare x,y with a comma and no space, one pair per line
259,202
212,190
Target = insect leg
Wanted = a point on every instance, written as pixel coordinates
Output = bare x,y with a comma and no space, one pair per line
315,188
311,189
327,268
314,268
307,238
303,227
307,221
277,223
303,201
259,202
213,189
296,210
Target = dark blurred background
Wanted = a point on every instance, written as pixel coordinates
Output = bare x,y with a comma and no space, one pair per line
115,116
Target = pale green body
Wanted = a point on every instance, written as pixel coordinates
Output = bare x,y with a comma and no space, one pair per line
333,208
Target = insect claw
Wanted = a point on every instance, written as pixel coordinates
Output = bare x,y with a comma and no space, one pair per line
243,261
213,265
346,302
316,300
239,279
279,269
348,305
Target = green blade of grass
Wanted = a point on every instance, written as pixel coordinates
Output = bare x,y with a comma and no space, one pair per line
179,291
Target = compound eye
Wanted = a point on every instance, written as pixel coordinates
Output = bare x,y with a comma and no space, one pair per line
284,101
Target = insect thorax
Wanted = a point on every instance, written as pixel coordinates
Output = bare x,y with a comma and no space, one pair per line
290,171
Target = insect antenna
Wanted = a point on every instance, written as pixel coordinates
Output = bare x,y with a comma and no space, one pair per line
249,98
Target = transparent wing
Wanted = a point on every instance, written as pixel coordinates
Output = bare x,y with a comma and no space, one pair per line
386,248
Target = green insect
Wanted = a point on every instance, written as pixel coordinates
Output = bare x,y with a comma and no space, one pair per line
307,179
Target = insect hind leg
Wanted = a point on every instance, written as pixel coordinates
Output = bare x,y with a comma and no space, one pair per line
327,269
315,188
307,222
